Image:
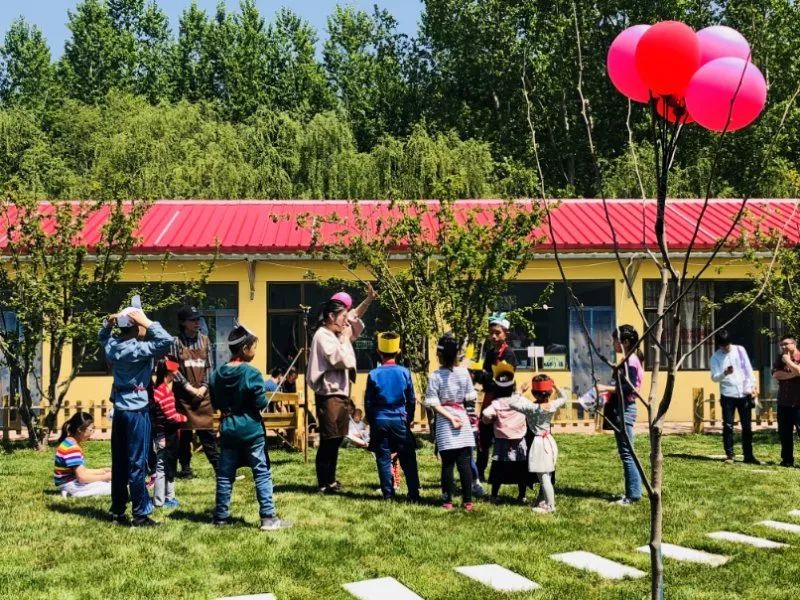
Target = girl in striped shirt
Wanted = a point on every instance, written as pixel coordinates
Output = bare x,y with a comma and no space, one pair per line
70,474
449,389
166,420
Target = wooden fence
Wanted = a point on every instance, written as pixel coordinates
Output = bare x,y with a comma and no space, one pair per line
708,411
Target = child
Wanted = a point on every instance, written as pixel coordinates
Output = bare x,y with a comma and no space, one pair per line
510,453
70,475
544,451
448,390
166,420
389,402
238,391
357,431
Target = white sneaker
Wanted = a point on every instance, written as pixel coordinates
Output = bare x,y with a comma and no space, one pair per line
624,501
274,523
543,508
477,489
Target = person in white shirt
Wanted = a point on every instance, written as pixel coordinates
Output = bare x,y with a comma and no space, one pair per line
730,367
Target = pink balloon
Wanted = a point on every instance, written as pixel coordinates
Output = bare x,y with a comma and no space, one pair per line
621,64
714,86
720,41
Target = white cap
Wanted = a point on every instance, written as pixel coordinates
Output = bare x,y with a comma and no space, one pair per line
123,320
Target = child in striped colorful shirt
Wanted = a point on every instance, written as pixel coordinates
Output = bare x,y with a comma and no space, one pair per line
166,420
70,474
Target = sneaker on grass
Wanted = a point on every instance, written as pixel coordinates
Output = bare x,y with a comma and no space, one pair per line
145,521
171,503
625,501
274,524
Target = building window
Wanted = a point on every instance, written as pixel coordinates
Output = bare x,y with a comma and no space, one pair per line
219,310
553,327
698,320
285,322
10,386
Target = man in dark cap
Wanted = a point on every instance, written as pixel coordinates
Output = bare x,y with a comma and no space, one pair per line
193,350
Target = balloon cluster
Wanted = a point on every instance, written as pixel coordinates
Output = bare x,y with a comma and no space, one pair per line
704,77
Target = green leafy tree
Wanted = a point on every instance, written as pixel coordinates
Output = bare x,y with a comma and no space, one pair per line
191,62
27,78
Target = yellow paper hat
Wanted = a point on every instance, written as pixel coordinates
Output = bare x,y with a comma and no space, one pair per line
469,353
388,342
503,368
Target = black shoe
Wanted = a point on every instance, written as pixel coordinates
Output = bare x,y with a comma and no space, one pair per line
221,522
121,519
752,460
185,474
787,464
144,522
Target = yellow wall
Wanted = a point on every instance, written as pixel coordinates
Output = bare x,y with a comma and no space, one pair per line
253,312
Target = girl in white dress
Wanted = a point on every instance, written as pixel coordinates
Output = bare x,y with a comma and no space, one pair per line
543,453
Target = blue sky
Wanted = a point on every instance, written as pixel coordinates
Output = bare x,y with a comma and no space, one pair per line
51,15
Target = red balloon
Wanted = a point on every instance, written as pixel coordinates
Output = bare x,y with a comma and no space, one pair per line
667,56
673,109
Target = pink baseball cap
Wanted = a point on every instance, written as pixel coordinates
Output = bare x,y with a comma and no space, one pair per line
344,298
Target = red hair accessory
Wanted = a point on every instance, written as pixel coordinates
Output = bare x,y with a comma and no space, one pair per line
542,385
171,365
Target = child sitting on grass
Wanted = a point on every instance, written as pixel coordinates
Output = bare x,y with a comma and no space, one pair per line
238,391
543,453
70,475
166,420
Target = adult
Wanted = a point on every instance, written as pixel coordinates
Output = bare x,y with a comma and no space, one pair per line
275,379
389,403
331,372
499,351
786,371
70,474
131,361
195,360
621,407
731,368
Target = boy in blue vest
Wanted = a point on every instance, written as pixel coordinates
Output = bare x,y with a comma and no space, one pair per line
389,405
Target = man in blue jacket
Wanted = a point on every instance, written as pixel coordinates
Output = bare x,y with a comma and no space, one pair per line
131,355
389,405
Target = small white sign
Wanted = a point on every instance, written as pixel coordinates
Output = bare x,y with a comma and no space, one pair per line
535,351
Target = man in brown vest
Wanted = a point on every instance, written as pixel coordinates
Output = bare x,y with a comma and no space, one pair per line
193,350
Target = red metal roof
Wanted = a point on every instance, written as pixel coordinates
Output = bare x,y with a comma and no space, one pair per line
270,226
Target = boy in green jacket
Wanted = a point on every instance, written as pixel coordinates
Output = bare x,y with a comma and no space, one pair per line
238,391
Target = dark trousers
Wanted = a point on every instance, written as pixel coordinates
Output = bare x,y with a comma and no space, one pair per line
459,458
729,407
208,439
326,460
788,421
393,435
485,439
130,444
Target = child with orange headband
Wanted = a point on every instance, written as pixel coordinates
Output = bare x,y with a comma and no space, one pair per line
166,420
543,453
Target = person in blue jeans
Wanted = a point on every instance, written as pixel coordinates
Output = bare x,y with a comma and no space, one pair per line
389,404
625,388
238,391
131,355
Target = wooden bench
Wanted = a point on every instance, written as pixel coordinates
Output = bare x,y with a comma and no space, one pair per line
286,420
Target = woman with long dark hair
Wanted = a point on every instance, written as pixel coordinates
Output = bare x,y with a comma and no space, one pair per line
70,474
331,372
622,405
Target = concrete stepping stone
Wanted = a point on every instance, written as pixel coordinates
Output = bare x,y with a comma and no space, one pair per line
794,513
688,554
790,527
250,597
597,564
740,538
498,578
383,588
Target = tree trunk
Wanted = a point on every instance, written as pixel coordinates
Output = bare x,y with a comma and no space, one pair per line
656,513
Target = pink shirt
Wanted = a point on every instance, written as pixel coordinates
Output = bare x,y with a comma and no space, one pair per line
508,423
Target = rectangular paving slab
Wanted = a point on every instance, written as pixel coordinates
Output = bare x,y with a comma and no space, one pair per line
498,578
384,588
740,538
794,513
790,527
602,566
250,597
688,554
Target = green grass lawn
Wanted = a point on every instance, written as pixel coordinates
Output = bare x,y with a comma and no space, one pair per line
56,548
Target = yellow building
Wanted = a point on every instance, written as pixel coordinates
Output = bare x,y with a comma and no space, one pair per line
260,279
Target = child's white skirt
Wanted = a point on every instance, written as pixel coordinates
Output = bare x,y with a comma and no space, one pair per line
543,454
